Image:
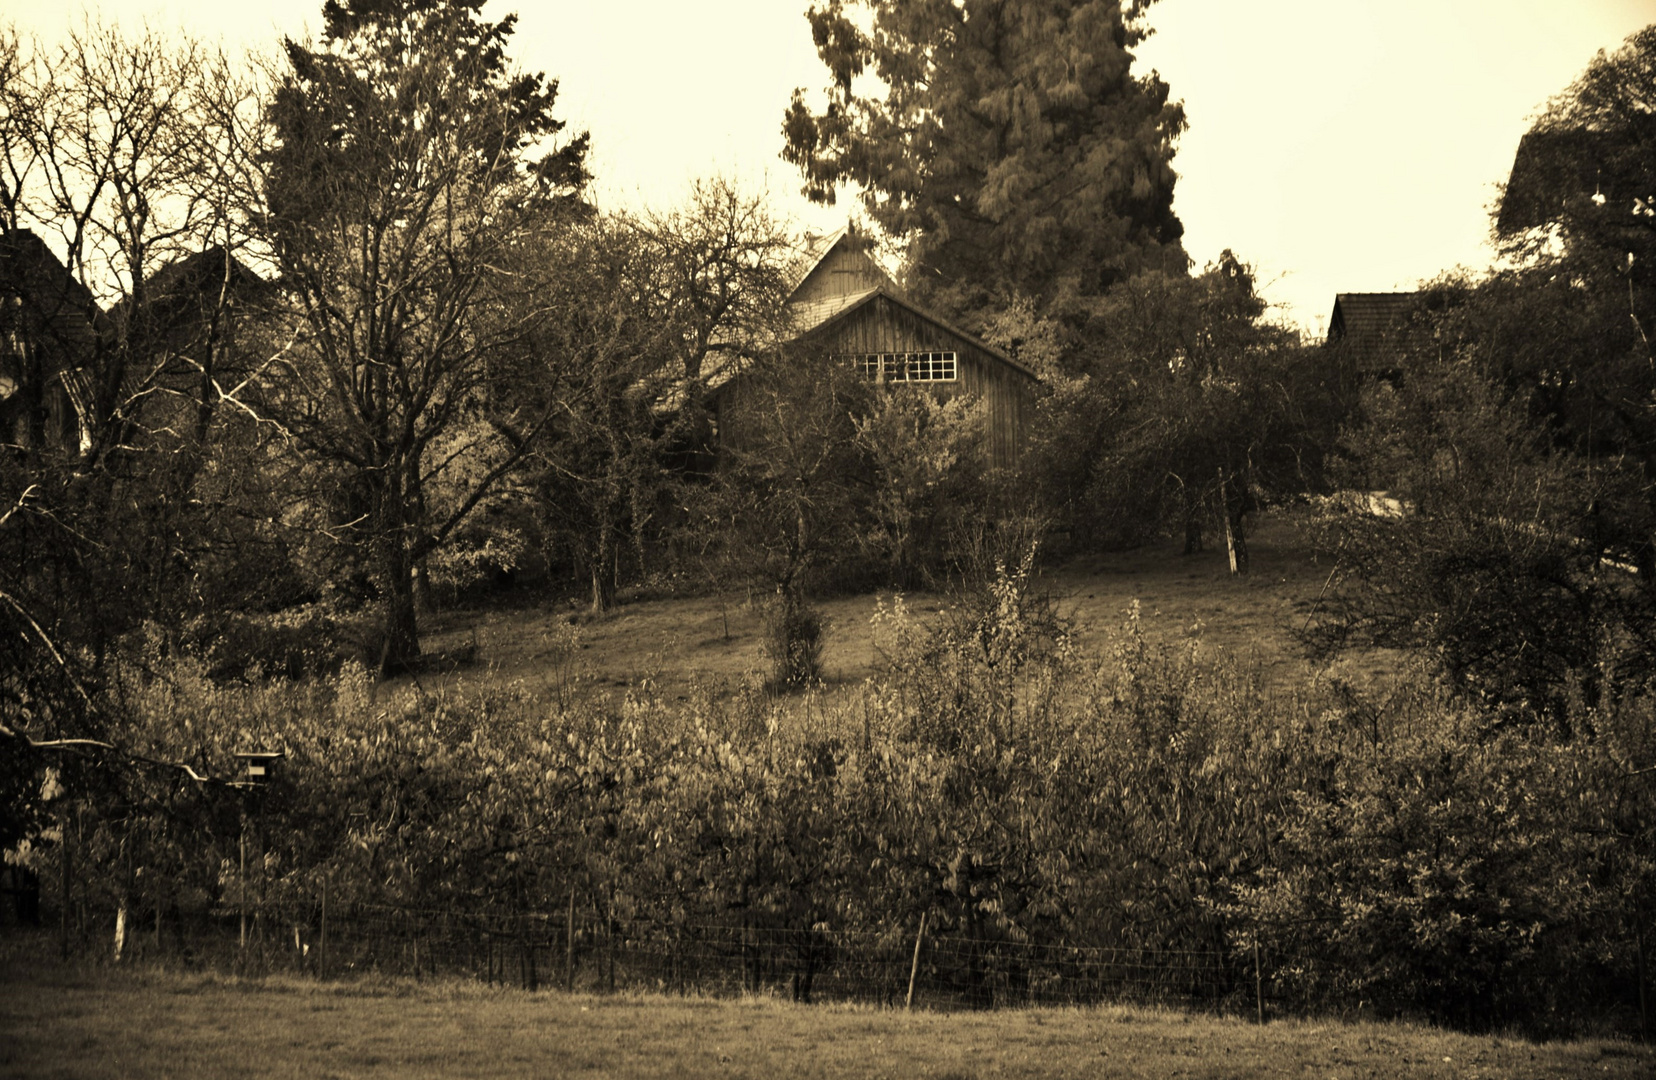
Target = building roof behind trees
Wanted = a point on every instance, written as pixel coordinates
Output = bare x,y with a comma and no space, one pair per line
1553,167
1374,330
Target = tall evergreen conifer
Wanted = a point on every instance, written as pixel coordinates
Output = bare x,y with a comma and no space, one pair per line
1008,142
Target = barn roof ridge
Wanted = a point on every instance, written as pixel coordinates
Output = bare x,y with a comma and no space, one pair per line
854,301
816,249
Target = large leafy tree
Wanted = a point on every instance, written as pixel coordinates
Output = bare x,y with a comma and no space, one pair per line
1008,142
412,165
1522,433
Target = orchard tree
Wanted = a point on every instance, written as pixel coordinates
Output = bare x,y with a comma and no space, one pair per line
412,166
599,475
654,306
718,268
790,490
1181,397
1007,142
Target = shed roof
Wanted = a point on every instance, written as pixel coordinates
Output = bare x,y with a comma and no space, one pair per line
1375,329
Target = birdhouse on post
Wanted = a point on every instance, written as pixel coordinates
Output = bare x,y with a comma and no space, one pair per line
259,766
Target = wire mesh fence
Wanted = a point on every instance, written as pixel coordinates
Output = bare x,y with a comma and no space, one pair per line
587,950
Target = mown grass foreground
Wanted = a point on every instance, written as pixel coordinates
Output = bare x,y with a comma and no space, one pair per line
91,1023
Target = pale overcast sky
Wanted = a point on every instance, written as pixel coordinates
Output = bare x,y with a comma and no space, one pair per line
1339,145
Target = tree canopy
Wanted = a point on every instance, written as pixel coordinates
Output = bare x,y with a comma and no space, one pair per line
1008,142
401,197
1520,431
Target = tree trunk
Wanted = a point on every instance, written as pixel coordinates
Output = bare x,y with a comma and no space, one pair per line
422,586
603,573
1237,501
401,644
1192,526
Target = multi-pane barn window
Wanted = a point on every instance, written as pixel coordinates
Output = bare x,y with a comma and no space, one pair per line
907,367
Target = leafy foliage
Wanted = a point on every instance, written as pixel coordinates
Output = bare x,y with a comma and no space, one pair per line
1383,853
400,197
1180,386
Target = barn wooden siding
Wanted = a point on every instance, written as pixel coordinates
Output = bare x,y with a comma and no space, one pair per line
846,269
883,326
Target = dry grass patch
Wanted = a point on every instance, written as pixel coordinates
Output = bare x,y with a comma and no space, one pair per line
96,1023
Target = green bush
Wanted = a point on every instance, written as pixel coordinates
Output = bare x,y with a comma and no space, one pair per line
1396,855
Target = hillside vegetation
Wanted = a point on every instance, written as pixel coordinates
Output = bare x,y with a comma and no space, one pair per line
1150,819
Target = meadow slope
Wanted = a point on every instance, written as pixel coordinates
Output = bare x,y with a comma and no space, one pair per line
93,1023
714,640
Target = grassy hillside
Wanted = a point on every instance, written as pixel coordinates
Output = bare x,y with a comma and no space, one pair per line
92,1023
715,640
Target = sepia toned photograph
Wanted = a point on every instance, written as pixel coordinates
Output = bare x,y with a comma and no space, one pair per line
828,539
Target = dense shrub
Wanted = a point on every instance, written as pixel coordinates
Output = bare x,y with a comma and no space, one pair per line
1390,854
1434,866
793,641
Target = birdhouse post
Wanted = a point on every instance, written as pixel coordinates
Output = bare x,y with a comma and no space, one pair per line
258,769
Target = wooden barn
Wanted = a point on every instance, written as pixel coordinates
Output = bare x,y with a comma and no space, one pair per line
846,308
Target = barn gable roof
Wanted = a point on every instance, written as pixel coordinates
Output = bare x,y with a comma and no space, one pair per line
816,317
814,311
815,250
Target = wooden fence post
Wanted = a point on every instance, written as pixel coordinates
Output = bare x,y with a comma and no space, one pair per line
241,883
914,965
63,825
610,935
322,950
1644,1000
1259,984
569,946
